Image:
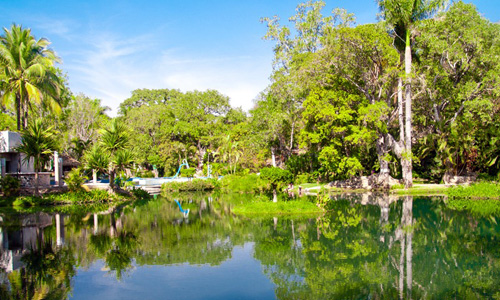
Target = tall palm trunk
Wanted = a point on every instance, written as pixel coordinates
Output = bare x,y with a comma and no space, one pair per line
406,160
18,112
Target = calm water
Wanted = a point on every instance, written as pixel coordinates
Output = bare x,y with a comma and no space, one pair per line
364,247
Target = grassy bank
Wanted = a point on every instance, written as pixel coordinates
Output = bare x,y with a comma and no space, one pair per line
81,198
480,190
262,205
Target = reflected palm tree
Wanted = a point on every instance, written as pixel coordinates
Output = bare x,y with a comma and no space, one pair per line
47,274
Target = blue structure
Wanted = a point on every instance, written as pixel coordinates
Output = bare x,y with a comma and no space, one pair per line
184,163
185,212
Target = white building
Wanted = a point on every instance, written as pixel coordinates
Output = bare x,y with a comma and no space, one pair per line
12,160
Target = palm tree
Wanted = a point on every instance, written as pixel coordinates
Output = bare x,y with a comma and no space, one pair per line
27,73
402,15
114,140
97,159
38,142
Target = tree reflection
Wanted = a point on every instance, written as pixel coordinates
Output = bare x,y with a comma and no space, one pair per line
47,274
370,246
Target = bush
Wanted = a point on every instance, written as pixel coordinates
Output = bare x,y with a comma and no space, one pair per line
188,172
251,183
10,186
192,185
140,194
75,179
276,177
482,190
304,178
145,174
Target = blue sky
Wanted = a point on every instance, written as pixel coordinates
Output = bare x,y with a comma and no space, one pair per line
110,48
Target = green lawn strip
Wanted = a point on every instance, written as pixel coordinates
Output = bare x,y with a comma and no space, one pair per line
421,190
479,190
67,198
276,208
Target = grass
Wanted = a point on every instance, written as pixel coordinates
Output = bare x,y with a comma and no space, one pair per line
420,189
252,208
479,190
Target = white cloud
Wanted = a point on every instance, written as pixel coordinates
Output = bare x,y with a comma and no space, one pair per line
110,68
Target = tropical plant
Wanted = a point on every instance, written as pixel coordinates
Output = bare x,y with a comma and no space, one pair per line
97,159
402,16
276,177
10,185
38,142
27,74
115,140
75,179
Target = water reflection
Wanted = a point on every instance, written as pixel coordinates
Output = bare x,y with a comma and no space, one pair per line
366,246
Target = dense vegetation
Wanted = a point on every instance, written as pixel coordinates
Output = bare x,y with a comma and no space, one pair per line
414,95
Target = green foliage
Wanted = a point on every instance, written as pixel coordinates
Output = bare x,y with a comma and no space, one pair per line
480,190
80,198
276,177
38,142
304,178
96,158
140,194
188,172
10,186
28,77
75,179
250,208
250,183
191,185
482,207
145,174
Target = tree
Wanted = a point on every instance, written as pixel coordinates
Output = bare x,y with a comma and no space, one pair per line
114,141
81,121
402,16
27,73
282,102
276,177
37,142
458,79
97,159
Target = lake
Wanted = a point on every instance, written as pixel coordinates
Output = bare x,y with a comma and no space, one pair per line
365,246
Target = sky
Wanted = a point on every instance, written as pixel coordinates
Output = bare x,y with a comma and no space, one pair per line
110,48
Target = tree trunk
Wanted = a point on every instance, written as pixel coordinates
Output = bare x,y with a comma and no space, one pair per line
407,157
112,179
273,157
18,112
201,154
25,115
275,195
37,192
381,152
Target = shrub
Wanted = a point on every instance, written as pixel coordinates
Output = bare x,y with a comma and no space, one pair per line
477,190
75,179
10,186
146,174
188,172
276,177
304,178
193,185
140,194
251,183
